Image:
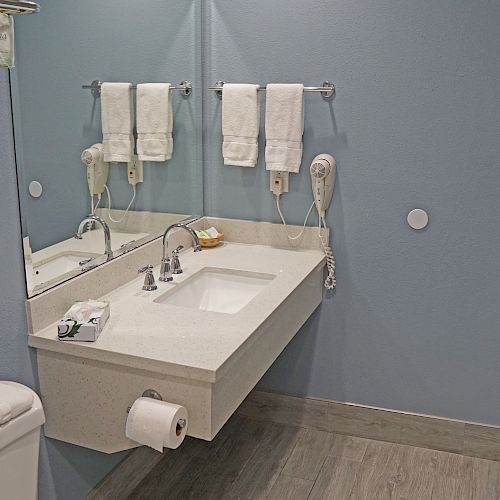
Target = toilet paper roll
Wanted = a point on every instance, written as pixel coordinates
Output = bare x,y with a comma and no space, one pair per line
157,424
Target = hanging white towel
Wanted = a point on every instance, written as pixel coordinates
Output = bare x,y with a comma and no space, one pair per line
284,126
154,122
7,58
117,122
240,124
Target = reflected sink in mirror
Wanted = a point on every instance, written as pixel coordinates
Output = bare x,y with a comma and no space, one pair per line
72,256
217,290
59,265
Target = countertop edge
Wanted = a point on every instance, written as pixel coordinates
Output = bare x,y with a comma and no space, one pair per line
80,350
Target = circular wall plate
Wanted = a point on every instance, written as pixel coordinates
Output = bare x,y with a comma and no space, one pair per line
418,218
35,189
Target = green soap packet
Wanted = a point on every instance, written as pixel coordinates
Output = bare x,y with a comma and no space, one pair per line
6,41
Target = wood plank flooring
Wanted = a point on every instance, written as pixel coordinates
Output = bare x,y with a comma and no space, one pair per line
253,459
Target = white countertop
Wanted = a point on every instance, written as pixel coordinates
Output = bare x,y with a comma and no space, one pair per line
186,342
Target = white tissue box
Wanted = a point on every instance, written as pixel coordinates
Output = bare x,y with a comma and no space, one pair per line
70,329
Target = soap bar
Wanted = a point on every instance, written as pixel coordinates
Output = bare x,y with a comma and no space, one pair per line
208,233
89,331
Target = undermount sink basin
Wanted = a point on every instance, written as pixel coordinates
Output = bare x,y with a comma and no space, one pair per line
218,290
59,265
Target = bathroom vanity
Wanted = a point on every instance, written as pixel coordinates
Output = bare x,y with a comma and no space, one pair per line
202,341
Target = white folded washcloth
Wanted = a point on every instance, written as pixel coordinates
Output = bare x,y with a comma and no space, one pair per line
154,122
240,124
117,121
284,126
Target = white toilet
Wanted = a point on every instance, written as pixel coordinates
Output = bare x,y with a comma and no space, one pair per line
21,417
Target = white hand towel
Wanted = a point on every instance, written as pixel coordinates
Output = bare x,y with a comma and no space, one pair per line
117,121
6,41
154,122
284,126
240,124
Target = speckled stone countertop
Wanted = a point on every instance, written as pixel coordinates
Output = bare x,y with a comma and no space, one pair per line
183,342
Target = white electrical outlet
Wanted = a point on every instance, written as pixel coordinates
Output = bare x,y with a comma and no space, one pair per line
135,172
278,182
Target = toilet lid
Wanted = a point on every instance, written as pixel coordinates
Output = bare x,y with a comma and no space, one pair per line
14,400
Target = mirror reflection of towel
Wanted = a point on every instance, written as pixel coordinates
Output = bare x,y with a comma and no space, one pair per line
117,121
7,58
154,122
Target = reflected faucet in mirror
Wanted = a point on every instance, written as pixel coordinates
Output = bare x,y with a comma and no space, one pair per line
166,267
107,234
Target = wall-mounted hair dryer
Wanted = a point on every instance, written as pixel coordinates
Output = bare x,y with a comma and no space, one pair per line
97,168
323,170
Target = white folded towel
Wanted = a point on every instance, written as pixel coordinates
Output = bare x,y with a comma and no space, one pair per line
154,122
117,121
240,124
284,126
7,58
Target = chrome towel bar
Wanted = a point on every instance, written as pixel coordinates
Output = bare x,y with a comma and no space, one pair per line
185,87
327,90
17,7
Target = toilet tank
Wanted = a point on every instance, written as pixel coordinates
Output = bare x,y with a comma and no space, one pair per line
21,417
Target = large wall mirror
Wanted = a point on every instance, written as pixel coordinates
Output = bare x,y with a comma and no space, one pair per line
70,44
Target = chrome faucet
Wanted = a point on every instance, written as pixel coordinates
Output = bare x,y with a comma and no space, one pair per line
166,267
105,227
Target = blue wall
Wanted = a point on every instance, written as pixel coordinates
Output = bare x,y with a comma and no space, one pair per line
414,323
70,43
66,471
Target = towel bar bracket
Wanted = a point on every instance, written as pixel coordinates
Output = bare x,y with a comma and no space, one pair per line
218,87
331,91
186,87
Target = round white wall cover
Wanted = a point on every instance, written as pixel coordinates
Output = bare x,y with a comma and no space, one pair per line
418,218
35,189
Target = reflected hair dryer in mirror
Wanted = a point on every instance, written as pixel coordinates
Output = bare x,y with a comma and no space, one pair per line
97,168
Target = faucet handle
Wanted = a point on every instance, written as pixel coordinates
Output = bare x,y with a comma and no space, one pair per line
177,250
149,279
176,263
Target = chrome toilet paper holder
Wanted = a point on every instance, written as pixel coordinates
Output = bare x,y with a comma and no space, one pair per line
151,393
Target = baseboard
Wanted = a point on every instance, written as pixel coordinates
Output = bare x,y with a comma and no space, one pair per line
124,478
425,431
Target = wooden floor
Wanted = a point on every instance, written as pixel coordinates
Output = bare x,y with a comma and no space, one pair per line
252,459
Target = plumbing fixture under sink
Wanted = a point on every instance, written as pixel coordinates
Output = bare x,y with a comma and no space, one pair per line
218,290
